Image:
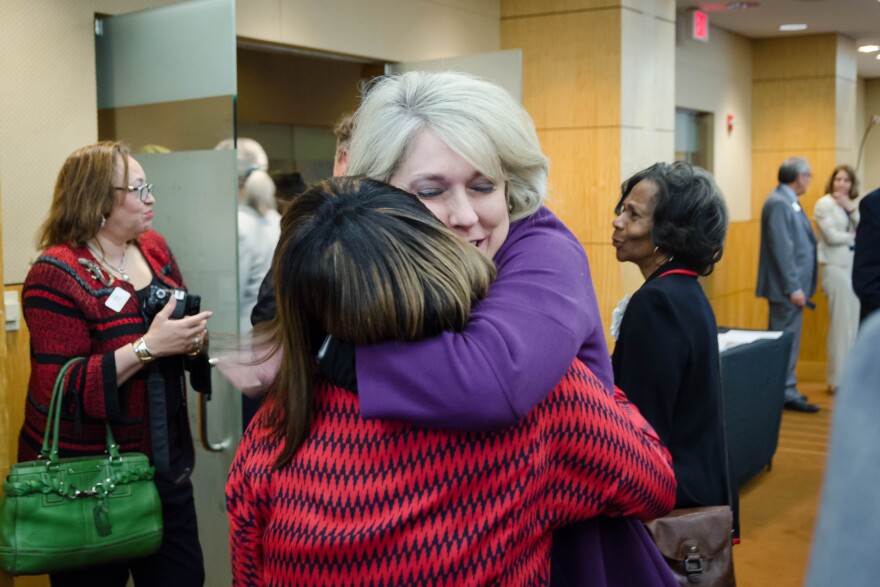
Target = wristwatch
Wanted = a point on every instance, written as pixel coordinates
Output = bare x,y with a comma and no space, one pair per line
143,353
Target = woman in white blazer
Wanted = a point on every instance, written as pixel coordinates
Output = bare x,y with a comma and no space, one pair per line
836,216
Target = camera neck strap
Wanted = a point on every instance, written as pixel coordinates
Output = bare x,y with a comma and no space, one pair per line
158,419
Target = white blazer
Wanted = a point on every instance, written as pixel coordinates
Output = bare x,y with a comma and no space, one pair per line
836,231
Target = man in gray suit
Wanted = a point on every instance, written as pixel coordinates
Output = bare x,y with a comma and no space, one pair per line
787,266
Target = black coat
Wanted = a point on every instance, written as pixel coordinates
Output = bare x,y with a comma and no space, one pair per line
666,361
866,262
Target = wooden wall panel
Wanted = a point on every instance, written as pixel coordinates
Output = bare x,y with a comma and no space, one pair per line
571,67
822,163
584,179
795,57
738,269
516,8
731,287
187,125
572,89
520,8
605,270
278,88
17,367
573,59
740,310
798,108
6,456
790,115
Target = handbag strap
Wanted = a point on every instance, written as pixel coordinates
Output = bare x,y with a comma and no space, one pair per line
49,450
54,416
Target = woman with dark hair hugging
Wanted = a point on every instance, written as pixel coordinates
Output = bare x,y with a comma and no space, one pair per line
317,495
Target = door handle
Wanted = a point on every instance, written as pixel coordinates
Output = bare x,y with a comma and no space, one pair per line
203,428
203,417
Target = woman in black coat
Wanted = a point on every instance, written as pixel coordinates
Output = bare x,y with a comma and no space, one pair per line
671,222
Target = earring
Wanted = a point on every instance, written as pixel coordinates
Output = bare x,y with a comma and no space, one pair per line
103,221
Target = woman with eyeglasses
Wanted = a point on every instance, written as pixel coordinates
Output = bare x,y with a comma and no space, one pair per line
84,297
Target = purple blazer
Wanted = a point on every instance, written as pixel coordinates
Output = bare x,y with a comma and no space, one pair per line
539,314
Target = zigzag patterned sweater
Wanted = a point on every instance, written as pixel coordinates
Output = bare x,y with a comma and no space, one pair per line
372,503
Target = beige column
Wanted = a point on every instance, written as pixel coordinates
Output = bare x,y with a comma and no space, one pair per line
803,104
598,79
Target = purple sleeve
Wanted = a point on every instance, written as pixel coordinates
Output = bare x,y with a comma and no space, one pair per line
540,314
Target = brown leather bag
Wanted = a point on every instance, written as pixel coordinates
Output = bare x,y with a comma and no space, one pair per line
697,545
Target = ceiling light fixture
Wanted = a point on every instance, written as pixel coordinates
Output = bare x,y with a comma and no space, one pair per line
792,27
869,48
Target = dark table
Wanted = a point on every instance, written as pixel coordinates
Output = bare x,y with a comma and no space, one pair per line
753,384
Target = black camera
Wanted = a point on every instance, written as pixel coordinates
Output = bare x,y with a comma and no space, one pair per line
157,297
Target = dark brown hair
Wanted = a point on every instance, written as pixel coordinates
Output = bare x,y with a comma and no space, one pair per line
853,190
364,262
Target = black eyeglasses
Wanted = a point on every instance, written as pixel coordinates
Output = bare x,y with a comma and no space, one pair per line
142,190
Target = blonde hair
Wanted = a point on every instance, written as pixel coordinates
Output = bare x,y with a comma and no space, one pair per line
477,119
259,192
250,156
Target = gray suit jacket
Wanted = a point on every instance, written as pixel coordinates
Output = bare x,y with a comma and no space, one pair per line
788,250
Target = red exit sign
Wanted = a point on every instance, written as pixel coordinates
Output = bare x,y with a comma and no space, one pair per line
700,26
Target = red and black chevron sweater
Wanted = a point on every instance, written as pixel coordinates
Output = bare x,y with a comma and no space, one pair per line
385,503
64,307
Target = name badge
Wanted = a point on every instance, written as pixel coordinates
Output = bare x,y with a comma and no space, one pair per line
117,299
796,207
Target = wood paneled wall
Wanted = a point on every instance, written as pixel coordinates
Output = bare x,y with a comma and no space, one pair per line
280,88
572,89
731,287
15,367
591,115
799,99
5,457
577,85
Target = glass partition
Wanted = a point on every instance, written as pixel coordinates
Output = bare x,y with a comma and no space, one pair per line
167,86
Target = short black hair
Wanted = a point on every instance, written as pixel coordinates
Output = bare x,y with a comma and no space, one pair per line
690,216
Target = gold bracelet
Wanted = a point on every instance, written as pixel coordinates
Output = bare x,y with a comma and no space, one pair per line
142,351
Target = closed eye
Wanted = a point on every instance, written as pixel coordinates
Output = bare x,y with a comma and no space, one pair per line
429,192
483,188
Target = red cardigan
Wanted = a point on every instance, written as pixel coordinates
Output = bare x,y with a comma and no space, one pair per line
64,307
379,502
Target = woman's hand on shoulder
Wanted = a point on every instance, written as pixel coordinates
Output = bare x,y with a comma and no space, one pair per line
176,337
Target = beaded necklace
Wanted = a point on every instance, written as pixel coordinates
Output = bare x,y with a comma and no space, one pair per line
100,257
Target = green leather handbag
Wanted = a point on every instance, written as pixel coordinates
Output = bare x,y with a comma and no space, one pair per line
59,514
